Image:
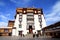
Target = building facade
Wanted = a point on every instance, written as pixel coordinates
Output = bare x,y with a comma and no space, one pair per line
4,31
7,31
52,30
28,20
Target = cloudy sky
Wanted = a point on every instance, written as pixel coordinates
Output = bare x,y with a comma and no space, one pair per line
51,9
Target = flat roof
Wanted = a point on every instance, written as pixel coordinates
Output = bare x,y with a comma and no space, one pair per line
53,25
5,27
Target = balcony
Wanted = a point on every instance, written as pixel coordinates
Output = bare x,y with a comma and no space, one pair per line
20,14
29,13
33,27
30,17
29,10
30,21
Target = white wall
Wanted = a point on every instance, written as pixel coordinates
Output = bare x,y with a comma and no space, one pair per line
13,32
24,23
16,24
43,22
36,23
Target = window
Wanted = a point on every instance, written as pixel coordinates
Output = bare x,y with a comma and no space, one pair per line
39,11
5,30
20,20
24,11
20,13
20,16
35,12
40,26
58,27
40,20
30,14
53,28
20,26
39,16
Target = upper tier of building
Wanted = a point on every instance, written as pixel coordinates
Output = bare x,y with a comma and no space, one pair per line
29,10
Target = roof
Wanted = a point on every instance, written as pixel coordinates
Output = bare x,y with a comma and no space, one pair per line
28,8
5,27
11,21
53,25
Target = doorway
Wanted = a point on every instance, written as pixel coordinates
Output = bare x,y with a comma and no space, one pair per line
20,33
30,29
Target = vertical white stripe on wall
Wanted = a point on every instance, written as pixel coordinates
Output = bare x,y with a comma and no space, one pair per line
36,22
43,22
16,24
24,23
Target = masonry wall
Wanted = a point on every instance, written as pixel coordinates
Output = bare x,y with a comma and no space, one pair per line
5,32
10,23
36,22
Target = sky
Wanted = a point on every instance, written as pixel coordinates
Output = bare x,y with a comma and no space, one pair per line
51,9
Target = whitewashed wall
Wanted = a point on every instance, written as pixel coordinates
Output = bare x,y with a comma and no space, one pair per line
43,21
24,23
16,24
36,23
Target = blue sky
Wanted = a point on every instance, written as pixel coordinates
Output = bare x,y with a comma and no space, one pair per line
51,9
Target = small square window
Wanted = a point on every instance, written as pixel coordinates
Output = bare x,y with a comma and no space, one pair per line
40,26
24,11
5,30
20,16
20,19
20,26
39,11
35,12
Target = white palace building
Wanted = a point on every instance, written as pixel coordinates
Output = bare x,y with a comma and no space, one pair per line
28,20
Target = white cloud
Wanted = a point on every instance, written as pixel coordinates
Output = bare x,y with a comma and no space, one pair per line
54,14
4,19
4,16
26,0
14,1
3,24
8,15
20,1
